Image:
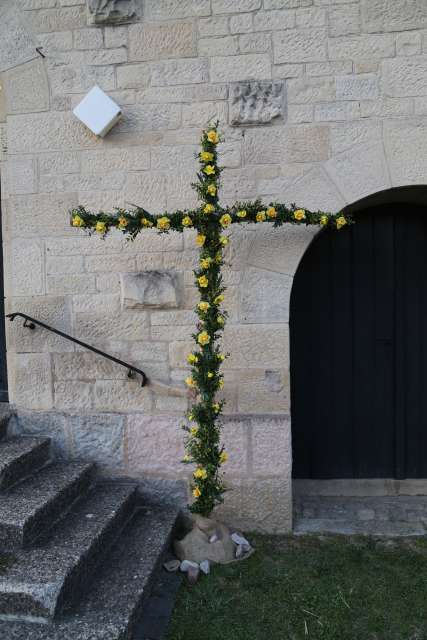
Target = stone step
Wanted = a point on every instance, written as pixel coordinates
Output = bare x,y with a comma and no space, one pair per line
50,578
4,421
20,457
30,508
377,528
111,608
394,508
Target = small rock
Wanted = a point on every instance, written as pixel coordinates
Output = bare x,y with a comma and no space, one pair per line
172,565
186,565
193,574
205,567
213,538
238,539
90,515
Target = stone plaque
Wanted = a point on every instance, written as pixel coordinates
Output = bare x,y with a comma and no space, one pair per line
256,102
112,11
150,290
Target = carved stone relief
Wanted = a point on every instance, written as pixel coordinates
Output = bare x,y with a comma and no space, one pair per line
112,11
256,102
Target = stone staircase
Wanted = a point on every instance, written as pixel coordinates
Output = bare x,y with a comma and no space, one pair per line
84,552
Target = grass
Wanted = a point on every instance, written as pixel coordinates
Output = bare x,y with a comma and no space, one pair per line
5,563
324,588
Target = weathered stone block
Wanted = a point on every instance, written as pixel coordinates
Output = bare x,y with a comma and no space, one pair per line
408,44
335,111
300,113
86,366
251,66
198,114
114,160
155,41
189,93
112,264
151,289
16,44
345,135
88,39
59,163
310,90
294,45
315,190
405,150
239,23
257,346
113,11
187,71
213,26
363,86
387,107
33,381
73,395
126,395
147,190
155,446
235,438
393,15
235,6
254,43
184,156
301,143
116,36
404,77
20,175
344,20
310,17
256,102
70,283
218,46
133,76
171,9
98,438
366,46
52,425
27,267
27,88
269,20
263,392
127,326
265,297
62,19
286,4
268,460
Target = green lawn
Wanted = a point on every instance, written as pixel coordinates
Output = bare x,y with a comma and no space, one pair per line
324,588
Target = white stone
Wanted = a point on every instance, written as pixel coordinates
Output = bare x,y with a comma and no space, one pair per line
268,20
16,43
234,6
214,26
155,41
240,23
32,386
404,77
98,112
174,9
367,46
250,66
335,111
27,88
344,20
264,297
393,15
256,102
300,143
150,289
408,44
155,446
218,46
186,71
197,114
363,86
299,46
406,151
315,190
88,39
27,266
20,175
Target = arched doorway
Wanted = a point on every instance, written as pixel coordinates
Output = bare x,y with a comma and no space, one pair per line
358,329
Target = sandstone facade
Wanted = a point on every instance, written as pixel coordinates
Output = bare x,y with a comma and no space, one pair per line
322,102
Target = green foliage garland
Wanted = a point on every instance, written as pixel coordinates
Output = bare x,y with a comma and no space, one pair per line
203,427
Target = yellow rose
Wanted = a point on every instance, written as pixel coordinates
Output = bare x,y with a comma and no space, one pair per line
206,156
200,240
101,227
323,220
216,407
209,170
223,457
271,212
163,223
221,384
200,473
190,416
196,492
211,189
219,299
242,214
203,282
213,136
260,216
218,257
225,220
190,382
122,222
208,208
146,223
203,306
192,359
194,431
220,320
187,221
203,338
341,221
205,263
299,214
186,458
224,240
221,357
78,221
210,374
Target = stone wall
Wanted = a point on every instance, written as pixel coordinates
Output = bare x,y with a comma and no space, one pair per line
322,102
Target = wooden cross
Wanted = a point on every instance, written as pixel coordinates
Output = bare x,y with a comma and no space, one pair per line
202,427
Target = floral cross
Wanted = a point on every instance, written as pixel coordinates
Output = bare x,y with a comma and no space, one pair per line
202,426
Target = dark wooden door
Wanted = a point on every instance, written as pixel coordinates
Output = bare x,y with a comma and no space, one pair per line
3,369
358,331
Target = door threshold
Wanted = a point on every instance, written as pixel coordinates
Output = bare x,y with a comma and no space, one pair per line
361,487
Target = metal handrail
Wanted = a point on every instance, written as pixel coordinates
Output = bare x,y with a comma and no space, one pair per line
31,324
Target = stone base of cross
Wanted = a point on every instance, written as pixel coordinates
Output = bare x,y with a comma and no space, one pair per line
202,426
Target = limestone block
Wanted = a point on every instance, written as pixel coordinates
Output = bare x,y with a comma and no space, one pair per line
235,438
73,395
182,156
98,438
366,46
52,311
113,11
300,113
387,107
181,260
360,172
189,93
88,39
294,45
127,326
251,66
230,155
186,71
404,77
64,264
17,44
238,184
27,214
213,26
20,175
62,19
345,135
3,108
27,88
268,460
28,5
258,505
256,102
240,23
276,19
27,266
275,145
113,160
310,17
179,318
147,190
335,111
108,283
149,351
310,90
169,333
363,86
87,366
255,346
180,194
47,132
106,56
281,250
405,150
133,76
150,261
59,163
126,395
116,36
171,9
112,264
155,446
263,391
328,68
254,43
218,46
150,289
198,114
408,44
70,283
344,20
155,41
234,6
51,425
85,246
265,297
393,15
178,352
150,240
33,381
150,117
165,404
56,41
